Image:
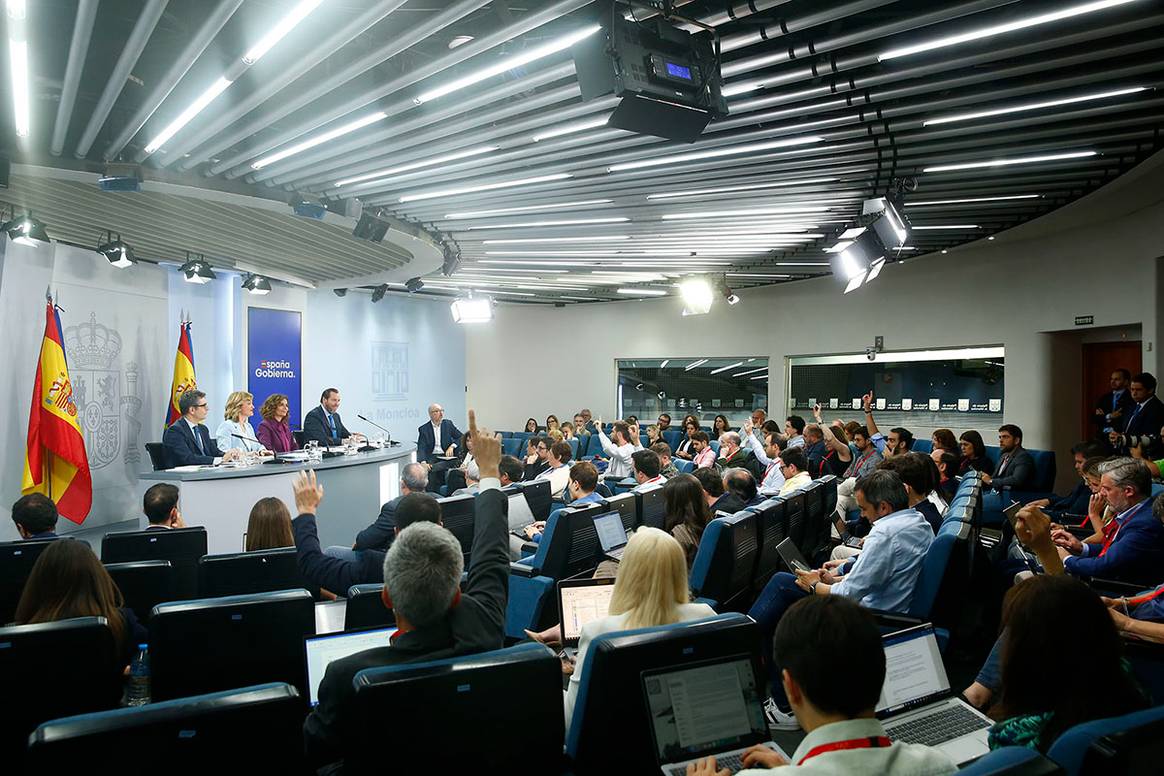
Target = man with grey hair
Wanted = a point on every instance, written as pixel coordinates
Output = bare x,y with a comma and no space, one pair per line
733,454
379,535
1131,546
187,442
434,618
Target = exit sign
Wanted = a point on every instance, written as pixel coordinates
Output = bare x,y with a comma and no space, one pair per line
1084,320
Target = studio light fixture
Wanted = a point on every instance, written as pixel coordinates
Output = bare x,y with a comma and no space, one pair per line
197,270
561,176
116,252
474,309
697,296
507,63
715,153
417,165
1010,161
256,284
998,29
26,230
378,292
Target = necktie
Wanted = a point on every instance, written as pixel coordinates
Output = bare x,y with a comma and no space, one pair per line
1135,412
331,422
198,440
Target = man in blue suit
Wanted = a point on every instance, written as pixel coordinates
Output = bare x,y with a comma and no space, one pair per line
323,423
1131,548
187,442
437,437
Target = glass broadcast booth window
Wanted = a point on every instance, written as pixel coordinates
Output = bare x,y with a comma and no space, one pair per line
706,387
958,388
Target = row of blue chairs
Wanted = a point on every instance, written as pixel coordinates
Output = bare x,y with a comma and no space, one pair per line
260,724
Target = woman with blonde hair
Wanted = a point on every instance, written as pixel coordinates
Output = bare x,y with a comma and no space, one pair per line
650,590
269,526
275,430
235,431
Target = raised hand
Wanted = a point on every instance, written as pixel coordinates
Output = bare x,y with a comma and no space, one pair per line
486,449
308,492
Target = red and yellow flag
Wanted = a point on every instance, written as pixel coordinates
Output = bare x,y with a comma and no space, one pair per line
55,463
183,372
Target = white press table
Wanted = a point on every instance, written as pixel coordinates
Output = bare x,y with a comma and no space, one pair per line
220,498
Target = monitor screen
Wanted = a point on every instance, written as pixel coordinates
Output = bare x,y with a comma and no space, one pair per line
322,650
581,604
679,71
611,534
914,673
709,707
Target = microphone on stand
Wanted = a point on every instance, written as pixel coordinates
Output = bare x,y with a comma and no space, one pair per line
377,425
246,438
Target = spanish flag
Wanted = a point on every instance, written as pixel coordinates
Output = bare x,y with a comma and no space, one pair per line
183,372
55,463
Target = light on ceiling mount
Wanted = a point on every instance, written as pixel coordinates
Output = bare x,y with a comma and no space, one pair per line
197,270
472,309
697,296
26,230
116,252
256,284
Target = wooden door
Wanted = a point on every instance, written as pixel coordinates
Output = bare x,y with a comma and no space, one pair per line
1100,359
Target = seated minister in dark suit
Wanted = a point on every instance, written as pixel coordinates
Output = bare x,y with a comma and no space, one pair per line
187,442
323,423
437,437
436,616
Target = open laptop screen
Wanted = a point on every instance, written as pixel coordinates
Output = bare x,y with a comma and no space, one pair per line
582,601
520,515
914,674
703,708
322,650
611,534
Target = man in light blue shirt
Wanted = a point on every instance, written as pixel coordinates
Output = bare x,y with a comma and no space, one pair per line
885,573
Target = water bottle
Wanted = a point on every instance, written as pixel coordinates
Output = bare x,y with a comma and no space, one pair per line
138,693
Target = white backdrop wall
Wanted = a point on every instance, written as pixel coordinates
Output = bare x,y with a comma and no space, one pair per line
1096,257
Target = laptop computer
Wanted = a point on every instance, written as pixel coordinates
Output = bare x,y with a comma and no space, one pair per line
581,601
791,555
520,515
611,535
917,705
322,650
706,709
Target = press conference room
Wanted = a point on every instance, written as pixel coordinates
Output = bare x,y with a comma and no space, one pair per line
696,387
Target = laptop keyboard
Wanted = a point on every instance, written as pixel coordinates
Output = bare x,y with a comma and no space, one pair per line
733,762
933,729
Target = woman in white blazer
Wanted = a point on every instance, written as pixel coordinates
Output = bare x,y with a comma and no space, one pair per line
651,589
240,406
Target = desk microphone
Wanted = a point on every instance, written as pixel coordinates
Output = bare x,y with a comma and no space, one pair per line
372,423
246,438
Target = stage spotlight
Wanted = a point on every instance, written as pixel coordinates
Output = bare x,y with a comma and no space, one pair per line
256,284
197,270
379,291
340,292
412,285
477,309
697,296
859,261
26,230
117,252
370,228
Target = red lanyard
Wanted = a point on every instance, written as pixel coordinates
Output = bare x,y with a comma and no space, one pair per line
861,461
1108,538
1146,597
872,742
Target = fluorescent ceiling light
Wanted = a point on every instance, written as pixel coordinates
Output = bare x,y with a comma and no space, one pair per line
759,377
1013,160
729,189
526,209
330,135
505,64
570,129
596,238
475,310
196,107
465,154
664,364
714,153
560,176
946,226
581,298
842,245
971,200
729,366
475,268
18,67
280,30
699,214
750,371
694,364
569,222
802,264
641,292
1031,106
997,29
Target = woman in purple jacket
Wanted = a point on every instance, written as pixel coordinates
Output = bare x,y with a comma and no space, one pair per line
274,431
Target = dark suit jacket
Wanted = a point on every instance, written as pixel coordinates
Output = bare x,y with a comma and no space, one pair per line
1136,554
743,459
425,440
331,573
1126,405
1019,472
379,535
181,450
728,502
315,427
1074,503
1143,427
476,624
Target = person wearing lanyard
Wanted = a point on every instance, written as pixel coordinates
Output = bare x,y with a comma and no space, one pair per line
844,735
1132,548
866,461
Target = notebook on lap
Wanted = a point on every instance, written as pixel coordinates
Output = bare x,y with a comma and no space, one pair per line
791,555
706,709
917,705
322,650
